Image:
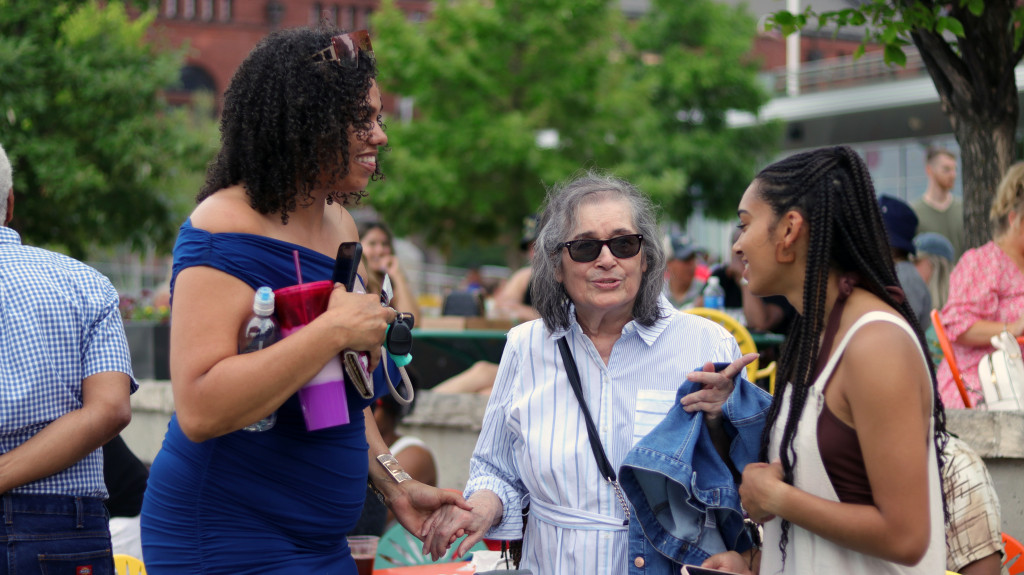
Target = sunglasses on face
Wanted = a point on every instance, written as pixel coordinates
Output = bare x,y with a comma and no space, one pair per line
622,247
345,49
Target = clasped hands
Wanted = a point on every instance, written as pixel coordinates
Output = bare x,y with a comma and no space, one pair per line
450,522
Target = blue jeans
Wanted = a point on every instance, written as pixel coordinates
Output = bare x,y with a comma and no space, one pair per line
55,534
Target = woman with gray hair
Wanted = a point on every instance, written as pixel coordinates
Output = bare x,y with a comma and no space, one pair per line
597,282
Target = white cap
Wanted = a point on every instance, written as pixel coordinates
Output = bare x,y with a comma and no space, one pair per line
263,303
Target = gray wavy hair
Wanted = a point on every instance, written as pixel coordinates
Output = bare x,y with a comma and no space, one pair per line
6,183
558,219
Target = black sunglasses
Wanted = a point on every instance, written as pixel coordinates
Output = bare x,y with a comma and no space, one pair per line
622,247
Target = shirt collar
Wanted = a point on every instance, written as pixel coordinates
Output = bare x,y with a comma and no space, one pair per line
9,236
648,334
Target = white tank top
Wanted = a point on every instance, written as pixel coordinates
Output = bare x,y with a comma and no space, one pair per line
807,552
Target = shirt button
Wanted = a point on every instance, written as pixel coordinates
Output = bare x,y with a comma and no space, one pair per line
639,562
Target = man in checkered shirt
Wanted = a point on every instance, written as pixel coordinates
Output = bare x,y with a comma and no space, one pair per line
65,379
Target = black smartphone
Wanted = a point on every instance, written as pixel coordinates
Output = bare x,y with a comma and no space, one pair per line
347,264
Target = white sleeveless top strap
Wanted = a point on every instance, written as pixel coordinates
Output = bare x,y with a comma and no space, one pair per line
807,552
407,441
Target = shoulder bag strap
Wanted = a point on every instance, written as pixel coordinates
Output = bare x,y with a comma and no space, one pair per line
595,442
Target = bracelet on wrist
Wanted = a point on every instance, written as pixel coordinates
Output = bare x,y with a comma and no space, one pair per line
393,467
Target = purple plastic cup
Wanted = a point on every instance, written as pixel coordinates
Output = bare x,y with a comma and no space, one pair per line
323,399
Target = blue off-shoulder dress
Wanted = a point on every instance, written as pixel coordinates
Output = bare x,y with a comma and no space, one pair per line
279,501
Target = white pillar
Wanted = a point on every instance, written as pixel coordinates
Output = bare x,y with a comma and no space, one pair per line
793,54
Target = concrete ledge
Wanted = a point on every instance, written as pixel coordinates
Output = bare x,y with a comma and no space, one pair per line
993,434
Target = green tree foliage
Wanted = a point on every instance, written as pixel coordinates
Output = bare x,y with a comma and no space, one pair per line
970,48
487,77
93,146
695,67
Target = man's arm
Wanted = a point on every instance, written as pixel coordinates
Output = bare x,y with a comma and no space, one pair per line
105,411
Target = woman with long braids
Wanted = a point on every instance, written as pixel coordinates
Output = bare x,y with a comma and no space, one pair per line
850,479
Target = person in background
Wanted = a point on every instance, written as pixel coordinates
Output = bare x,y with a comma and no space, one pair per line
934,262
597,281
938,210
411,452
849,480
986,291
379,253
514,299
125,476
65,382
681,286
974,542
900,224
300,135
760,314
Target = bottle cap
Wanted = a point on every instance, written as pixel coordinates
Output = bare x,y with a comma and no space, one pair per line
713,280
263,303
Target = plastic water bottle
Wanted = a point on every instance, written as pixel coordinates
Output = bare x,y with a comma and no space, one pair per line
257,333
714,295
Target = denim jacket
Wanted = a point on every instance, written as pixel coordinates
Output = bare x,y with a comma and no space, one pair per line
686,502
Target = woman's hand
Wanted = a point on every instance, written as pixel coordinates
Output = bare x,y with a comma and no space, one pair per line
361,317
451,522
715,387
761,489
414,503
730,561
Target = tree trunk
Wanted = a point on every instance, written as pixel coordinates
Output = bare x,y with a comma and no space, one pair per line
978,91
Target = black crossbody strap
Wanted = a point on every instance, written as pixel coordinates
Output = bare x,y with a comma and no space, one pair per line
595,441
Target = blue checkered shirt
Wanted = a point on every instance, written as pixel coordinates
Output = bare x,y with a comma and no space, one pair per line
59,323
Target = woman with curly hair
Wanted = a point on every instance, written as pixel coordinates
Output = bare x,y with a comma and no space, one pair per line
300,135
849,479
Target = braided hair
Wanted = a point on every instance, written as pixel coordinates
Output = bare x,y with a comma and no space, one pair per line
832,189
286,116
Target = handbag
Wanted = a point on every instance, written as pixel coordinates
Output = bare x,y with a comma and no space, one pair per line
1001,373
515,547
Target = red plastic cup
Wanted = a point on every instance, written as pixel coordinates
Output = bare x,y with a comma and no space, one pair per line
323,399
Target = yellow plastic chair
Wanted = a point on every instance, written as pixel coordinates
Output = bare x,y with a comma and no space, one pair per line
128,565
743,339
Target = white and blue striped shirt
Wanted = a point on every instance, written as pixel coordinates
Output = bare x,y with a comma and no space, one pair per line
59,323
534,439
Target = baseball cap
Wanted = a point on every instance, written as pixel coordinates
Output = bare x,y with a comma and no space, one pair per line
934,244
900,223
682,247
530,224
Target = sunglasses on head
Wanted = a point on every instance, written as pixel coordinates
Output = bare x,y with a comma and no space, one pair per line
583,251
345,49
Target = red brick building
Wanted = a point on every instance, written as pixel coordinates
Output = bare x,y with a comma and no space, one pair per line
220,33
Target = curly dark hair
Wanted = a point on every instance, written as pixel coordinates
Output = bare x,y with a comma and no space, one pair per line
285,118
832,189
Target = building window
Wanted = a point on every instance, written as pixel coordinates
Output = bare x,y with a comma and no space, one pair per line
366,18
170,8
333,15
206,10
349,22
188,11
224,10
315,13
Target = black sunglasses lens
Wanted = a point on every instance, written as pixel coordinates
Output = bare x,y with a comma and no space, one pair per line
624,246
584,251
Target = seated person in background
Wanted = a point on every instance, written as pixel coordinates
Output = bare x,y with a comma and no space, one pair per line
514,299
974,543
379,252
411,452
986,291
682,288
901,225
934,262
125,476
479,378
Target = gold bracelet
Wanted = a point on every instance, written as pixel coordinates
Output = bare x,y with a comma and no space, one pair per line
394,468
